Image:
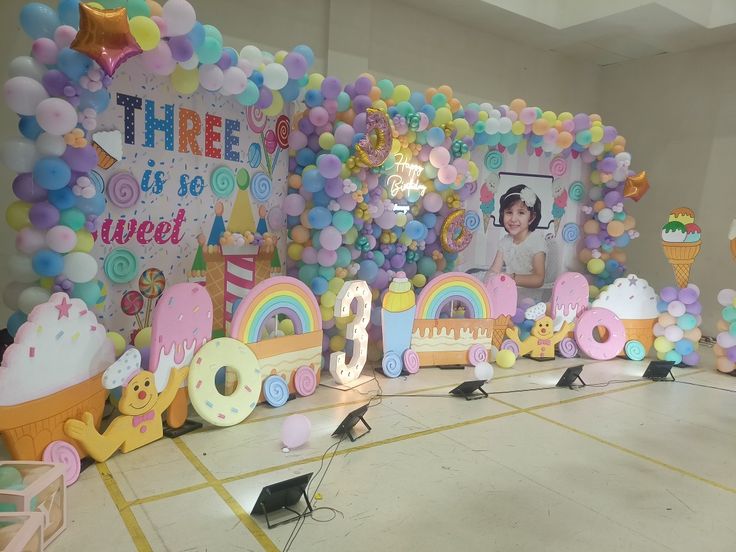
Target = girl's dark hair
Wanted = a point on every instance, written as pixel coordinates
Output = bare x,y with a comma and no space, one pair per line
513,195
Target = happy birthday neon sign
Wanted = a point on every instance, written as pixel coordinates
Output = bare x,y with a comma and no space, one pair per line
405,179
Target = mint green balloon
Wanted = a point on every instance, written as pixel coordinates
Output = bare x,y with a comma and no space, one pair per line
250,95
89,292
138,8
343,101
342,220
73,218
341,151
386,87
210,50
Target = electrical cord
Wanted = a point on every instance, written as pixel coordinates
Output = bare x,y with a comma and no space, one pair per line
704,385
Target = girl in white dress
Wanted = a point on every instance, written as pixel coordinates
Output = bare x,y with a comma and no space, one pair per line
522,251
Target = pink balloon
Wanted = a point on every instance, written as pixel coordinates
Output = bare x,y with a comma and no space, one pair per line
676,308
330,238
432,202
447,174
461,165
387,220
439,157
309,255
159,60
45,50
297,140
726,297
326,258
318,116
295,430
234,81
726,340
344,135
29,240
673,333
56,116
64,35
211,77
294,205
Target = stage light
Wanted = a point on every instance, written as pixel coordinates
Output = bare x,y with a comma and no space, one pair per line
569,377
468,390
282,496
346,426
659,370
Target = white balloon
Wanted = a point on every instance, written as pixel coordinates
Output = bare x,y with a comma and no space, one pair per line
483,371
21,269
50,145
252,54
191,63
275,76
234,81
80,267
504,126
18,154
56,116
31,297
596,148
23,94
211,77
180,17
26,66
29,240
11,293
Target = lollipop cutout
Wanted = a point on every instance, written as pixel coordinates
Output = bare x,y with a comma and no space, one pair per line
151,285
132,305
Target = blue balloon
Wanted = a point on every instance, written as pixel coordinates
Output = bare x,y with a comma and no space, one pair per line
435,136
197,35
623,240
306,51
662,305
92,206
51,173
290,92
292,221
38,20
368,270
73,64
47,263
319,217
313,98
257,78
305,156
15,321
313,181
232,54
321,199
416,100
99,100
69,12
429,220
429,111
684,347
63,198
318,285
29,127
415,229
249,96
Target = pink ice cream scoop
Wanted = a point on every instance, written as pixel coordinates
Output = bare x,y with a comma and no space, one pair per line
502,293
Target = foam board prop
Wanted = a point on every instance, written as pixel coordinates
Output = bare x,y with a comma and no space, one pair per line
681,243
613,333
569,298
21,531
284,356
51,373
449,341
35,487
503,294
344,372
182,323
542,339
397,320
140,405
634,302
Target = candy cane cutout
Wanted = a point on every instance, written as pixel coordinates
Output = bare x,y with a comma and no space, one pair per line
341,371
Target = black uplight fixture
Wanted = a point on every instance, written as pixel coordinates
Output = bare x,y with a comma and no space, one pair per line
570,376
350,421
468,390
659,370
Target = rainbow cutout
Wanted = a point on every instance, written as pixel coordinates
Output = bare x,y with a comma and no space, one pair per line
279,295
456,286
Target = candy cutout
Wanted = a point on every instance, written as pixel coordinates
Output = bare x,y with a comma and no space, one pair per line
254,155
256,119
493,160
391,364
123,190
510,345
472,220
588,322
275,391
477,354
61,452
635,350
568,348
151,284
557,167
570,232
132,305
305,382
120,265
97,181
576,192
411,361
243,179
260,186
222,182
282,131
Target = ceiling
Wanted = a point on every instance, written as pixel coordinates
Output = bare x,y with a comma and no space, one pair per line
603,32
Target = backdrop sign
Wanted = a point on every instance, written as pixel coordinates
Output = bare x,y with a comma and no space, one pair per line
179,171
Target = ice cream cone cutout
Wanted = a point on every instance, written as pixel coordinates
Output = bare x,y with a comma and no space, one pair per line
681,243
541,343
732,238
140,405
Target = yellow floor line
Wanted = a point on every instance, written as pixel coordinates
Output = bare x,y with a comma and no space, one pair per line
131,524
233,504
639,455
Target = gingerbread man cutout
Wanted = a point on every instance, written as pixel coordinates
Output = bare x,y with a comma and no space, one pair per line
140,405
541,343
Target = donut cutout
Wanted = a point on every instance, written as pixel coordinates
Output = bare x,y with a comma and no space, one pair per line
213,407
455,235
587,324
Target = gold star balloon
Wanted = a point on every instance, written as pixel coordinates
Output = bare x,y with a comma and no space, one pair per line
636,186
104,36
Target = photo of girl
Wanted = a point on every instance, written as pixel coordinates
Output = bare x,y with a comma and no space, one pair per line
522,251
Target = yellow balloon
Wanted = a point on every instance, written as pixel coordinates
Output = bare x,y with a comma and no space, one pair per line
326,140
328,299
401,93
315,81
593,292
442,116
46,283
564,116
143,338
327,313
663,345
337,343
287,326
17,215
279,56
380,105
596,133
118,341
595,178
550,117
145,31
85,241
596,266
185,81
419,280
462,127
505,359
483,116
335,285
517,128
473,170
277,105
395,147
95,5
294,251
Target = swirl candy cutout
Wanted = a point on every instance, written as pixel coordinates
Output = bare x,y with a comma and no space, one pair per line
374,156
61,452
120,266
570,232
472,220
493,160
568,348
123,190
305,382
510,345
282,131
152,283
275,391
576,192
411,361
635,350
222,182
558,166
477,354
455,235
260,186
391,364
256,119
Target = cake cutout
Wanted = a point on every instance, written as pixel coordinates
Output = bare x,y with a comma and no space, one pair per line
109,148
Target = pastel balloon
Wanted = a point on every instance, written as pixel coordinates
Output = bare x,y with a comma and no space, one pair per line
47,263
18,154
56,116
23,94
51,173
295,430
80,267
31,297
29,240
50,145
26,66
61,239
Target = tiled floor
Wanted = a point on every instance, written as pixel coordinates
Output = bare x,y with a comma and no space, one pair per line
627,466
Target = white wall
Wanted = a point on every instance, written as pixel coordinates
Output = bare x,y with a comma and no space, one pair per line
678,113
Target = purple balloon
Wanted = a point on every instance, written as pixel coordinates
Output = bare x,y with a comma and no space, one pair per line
296,65
363,86
44,215
181,48
145,357
80,160
224,62
265,99
306,126
691,359
612,198
731,354
592,241
668,294
607,165
333,187
398,261
54,82
609,134
694,308
347,203
350,90
431,236
581,121
27,190
361,103
313,143
331,88
688,296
